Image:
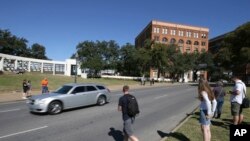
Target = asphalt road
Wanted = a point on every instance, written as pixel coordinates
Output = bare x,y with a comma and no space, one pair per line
162,108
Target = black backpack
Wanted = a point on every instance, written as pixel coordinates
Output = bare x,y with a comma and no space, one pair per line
133,108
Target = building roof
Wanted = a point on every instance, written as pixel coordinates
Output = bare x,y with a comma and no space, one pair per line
169,24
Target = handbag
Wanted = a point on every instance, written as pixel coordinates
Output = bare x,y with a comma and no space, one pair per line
245,101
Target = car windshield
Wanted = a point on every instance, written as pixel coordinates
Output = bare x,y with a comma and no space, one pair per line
63,89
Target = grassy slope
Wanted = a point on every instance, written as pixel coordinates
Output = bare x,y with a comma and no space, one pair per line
13,82
191,131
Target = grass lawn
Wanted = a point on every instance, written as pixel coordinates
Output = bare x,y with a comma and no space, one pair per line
13,82
190,131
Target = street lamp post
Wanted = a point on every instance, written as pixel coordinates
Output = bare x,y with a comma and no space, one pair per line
76,56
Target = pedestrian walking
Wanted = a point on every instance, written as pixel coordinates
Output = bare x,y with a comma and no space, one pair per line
206,96
25,89
29,88
152,81
128,120
219,94
143,80
237,94
44,84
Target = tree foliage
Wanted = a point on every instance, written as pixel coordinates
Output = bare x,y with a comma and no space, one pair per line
38,51
13,45
127,64
236,48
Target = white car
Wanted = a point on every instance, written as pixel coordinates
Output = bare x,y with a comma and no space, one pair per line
69,96
224,81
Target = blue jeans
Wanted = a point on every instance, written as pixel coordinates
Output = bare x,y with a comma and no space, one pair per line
44,89
219,107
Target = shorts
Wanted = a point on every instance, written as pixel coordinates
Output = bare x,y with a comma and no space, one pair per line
203,119
236,109
127,129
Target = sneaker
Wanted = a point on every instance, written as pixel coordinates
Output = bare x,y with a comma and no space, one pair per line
24,97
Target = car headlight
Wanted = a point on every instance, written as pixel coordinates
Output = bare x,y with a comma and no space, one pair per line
41,101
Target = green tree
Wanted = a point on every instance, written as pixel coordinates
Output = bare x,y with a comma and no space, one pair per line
201,61
90,56
159,59
13,45
10,44
38,51
127,64
234,53
110,53
143,58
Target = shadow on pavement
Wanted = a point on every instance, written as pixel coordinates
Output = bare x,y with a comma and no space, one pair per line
116,134
176,135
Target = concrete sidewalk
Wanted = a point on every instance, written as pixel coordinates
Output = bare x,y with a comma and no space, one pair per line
17,96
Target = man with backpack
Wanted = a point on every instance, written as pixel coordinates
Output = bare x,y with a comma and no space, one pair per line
129,107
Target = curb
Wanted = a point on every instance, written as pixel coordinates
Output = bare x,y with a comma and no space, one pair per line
184,120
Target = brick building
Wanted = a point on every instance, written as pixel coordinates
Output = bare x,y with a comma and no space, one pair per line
188,38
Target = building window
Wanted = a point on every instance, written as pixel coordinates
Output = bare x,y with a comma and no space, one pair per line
172,32
156,38
188,34
47,67
203,43
164,40
188,42
196,43
172,41
164,31
35,66
181,33
204,35
59,68
181,41
156,30
196,35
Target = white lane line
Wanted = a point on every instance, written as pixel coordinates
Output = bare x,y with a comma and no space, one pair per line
159,97
7,103
22,132
11,110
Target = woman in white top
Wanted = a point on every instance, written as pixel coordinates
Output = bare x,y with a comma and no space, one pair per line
206,96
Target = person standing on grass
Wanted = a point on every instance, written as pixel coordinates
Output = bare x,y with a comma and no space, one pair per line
127,120
25,89
237,95
29,88
219,94
206,96
44,84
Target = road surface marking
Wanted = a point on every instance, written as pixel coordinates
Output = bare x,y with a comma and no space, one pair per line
9,110
158,97
6,103
22,132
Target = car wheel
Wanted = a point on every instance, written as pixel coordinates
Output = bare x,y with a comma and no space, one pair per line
101,100
55,107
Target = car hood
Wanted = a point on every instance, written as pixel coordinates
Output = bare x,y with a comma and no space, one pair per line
43,96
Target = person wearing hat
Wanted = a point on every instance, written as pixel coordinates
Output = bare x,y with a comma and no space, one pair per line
219,94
